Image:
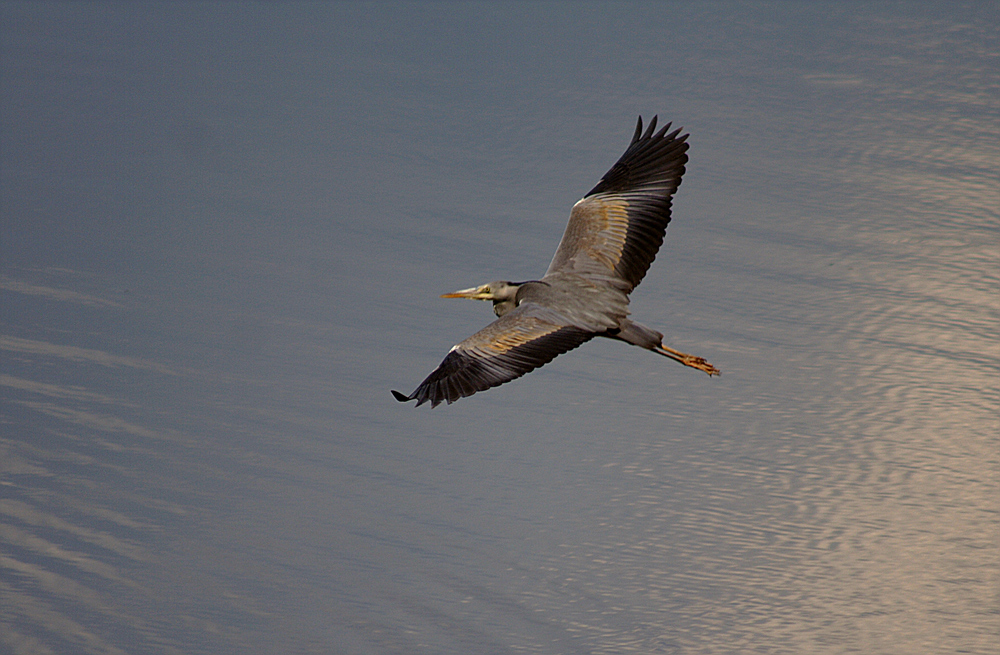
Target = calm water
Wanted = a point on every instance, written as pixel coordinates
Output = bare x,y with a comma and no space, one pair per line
224,231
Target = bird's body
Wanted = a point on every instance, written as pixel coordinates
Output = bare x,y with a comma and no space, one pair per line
612,236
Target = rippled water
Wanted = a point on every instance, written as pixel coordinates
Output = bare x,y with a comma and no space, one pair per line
224,231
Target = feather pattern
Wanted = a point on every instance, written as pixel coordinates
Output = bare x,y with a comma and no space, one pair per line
615,231
612,237
515,344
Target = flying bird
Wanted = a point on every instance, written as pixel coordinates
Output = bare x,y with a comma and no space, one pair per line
612,237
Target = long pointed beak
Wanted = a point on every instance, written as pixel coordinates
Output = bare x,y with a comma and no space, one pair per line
476,293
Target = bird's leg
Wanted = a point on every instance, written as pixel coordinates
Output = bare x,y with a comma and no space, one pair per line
688,360
639,335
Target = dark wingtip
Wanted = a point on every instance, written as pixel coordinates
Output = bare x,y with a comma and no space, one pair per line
651,127
400,397
638,130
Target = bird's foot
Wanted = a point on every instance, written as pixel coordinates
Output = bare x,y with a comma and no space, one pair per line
693,361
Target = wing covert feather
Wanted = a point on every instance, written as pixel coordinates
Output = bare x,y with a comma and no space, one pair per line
615,231
506,349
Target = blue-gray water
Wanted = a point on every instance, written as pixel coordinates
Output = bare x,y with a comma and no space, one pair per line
225,228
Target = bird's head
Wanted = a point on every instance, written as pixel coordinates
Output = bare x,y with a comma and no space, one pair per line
502,294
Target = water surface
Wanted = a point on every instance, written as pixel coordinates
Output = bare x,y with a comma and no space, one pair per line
224,231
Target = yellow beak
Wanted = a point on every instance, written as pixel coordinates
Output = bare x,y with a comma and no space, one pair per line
476,293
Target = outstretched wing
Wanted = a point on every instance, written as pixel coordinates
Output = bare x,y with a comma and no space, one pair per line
517,343
615,231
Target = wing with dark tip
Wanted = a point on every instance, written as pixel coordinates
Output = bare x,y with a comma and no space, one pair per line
517,343
616,230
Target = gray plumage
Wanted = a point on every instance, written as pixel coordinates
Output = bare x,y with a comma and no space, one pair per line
612,237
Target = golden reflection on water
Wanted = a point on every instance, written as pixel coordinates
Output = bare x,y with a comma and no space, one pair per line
857,505
54,293
81,512
863,503
75,354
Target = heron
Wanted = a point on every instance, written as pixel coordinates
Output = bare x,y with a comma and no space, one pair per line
612,237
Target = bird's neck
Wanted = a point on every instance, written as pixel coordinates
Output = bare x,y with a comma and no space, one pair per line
501,307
